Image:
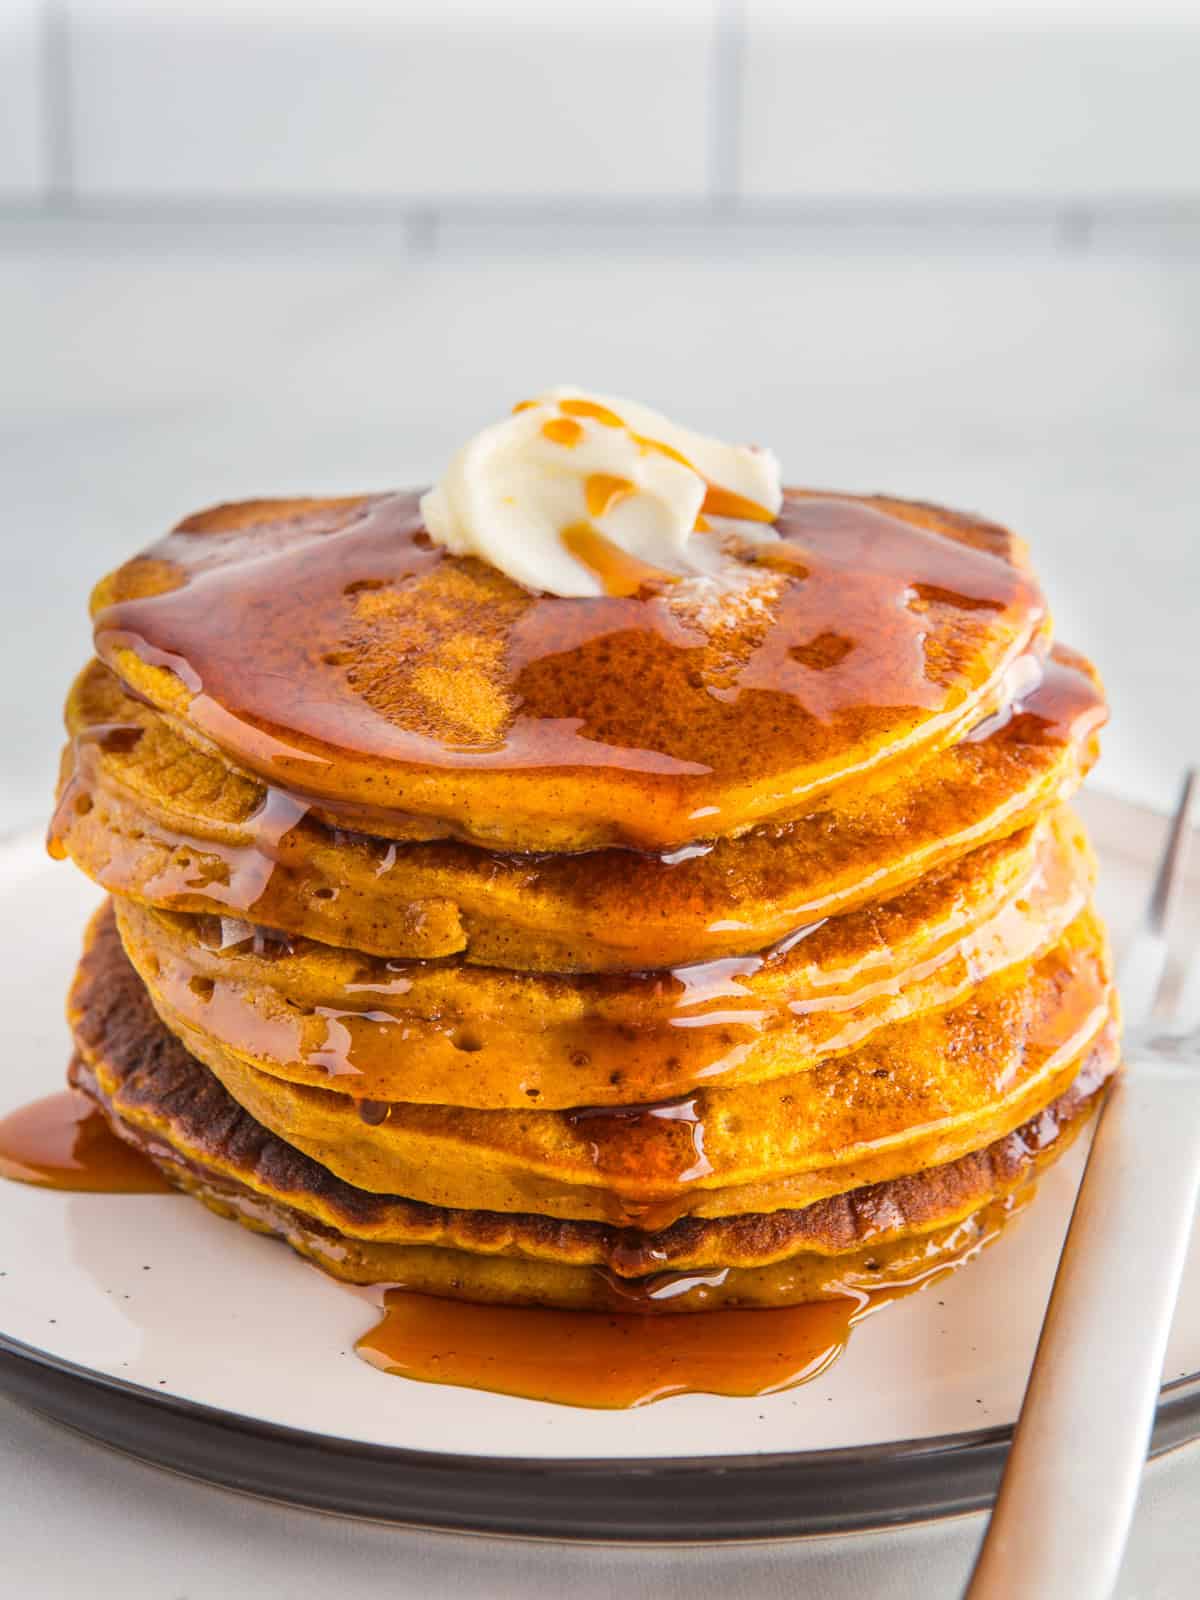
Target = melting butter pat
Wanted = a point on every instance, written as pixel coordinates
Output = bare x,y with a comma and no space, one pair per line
579,495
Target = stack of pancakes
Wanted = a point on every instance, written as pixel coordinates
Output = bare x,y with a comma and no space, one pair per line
724,943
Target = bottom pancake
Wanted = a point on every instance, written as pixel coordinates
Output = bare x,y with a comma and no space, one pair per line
162,1100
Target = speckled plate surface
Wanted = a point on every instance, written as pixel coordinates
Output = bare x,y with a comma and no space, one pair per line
146,1322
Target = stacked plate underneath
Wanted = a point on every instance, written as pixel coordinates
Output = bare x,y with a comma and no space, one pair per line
726,943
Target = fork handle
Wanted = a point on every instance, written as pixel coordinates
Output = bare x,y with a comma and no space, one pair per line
1066,1502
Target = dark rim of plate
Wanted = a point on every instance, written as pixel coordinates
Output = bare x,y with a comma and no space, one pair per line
670,1499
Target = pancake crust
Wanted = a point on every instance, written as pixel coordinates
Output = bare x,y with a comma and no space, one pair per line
329,647
781,1144
919,1094
165,1102
727,943
521,1281
451,1033
152,819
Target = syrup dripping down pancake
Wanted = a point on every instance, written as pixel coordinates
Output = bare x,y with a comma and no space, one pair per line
450,1033
151,818
169,1106
917,1094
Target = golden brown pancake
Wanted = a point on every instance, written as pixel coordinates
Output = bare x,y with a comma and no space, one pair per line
728,943
447,1032
166,1103
151,818
916,1094
330,648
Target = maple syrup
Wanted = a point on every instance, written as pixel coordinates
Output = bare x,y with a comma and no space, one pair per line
266,630
236,876
619,572
1053,706
63,1142
621,1359
611,1361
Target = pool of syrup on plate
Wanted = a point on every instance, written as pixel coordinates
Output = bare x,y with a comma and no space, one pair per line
63,1142
583,1358
618,1360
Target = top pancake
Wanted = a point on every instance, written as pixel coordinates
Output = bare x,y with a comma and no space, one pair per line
328,647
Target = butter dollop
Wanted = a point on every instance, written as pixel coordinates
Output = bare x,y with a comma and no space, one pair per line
579,494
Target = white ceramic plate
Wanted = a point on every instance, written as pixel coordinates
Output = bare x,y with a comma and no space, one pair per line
146,1321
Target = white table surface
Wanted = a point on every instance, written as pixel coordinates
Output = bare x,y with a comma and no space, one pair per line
147,369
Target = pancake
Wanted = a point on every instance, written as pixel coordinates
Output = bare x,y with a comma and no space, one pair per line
151,818
167,1104
446,1032
330,648
916,1094
724,943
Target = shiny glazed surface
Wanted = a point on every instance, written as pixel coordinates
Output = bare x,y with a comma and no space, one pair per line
448,1032
330,648
618,1360
64,1142
154,819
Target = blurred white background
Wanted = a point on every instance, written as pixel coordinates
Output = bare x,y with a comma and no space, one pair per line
950,251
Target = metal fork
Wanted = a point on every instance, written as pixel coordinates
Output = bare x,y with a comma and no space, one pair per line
1062,1517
